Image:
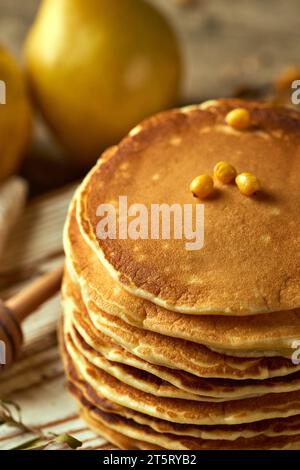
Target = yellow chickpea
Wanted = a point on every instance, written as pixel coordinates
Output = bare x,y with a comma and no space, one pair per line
239,119
247,183
224,172
202,186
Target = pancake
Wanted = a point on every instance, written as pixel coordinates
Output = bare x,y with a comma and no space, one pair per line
225,389
184,411
260,440
179,354
130,375
250,262
134,431
102,424
121,441
166,348
269,428
252,336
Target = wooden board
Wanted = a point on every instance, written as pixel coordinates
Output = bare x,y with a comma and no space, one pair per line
36,382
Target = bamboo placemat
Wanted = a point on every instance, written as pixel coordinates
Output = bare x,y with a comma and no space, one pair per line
36,382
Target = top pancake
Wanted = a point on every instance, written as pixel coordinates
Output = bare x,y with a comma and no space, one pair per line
255,335
250,262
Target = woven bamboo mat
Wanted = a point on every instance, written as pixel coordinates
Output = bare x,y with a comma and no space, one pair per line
36,382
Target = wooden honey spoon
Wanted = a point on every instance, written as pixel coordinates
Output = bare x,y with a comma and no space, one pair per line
20,306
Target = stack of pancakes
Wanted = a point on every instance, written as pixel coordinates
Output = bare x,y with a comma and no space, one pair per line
175,349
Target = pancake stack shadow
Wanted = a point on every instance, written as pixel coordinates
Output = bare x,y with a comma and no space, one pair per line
154,359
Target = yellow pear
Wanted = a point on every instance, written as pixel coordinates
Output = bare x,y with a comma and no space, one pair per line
97,67
15,115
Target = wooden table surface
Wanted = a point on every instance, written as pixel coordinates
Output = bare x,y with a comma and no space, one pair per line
225,44
36,382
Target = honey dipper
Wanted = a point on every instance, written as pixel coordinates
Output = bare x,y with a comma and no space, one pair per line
20,306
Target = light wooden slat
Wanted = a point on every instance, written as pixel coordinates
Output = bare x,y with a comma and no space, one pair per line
37,382
38,233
